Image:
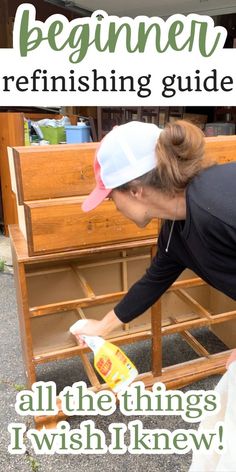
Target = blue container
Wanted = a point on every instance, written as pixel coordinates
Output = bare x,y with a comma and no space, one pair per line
78,134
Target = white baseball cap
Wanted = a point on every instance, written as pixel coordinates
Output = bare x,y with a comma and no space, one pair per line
125,153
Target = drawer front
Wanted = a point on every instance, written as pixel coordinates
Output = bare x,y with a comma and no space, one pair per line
54,171
60,225
67,170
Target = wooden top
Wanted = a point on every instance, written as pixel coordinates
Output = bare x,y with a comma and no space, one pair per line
20,245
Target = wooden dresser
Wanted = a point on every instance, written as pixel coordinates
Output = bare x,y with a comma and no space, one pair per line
70,265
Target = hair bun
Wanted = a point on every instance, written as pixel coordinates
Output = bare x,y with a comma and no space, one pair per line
180,152
177,134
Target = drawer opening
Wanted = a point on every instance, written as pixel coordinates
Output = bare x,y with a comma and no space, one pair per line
85,278
190,304
51,333
226,330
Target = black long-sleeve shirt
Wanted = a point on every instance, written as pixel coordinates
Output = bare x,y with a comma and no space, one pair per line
204,242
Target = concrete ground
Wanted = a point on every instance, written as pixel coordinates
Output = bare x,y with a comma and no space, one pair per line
66,372
5,253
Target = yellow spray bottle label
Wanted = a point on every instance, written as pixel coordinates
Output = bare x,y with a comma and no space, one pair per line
114,366
109,360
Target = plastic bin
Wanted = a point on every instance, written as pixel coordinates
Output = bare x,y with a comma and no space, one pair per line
78,134
53,135
215,129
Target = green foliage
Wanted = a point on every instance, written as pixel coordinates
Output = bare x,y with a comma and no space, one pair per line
19,387
33,463
2,265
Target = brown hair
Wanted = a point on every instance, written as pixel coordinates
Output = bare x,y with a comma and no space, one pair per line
180,156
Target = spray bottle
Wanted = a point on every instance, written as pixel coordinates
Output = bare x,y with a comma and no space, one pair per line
109,360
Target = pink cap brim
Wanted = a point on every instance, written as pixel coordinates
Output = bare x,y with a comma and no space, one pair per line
95,198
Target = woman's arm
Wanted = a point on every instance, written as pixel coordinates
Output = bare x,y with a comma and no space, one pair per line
162,272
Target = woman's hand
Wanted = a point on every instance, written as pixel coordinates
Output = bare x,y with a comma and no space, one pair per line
98,327
91,328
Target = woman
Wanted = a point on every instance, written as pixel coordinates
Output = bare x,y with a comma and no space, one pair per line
150,173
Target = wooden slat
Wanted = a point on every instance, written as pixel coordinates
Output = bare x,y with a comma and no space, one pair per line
116,260
187,372
124,272
192,302
181,326
220,317
90,370
61,171
72,304
195,344
46,271
186,283
24,318
105,262
60,224
89,293
197,323
66,353
181,318
156,315
81,313
192,341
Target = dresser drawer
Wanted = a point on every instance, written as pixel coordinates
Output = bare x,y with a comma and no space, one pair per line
60,224
54,171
